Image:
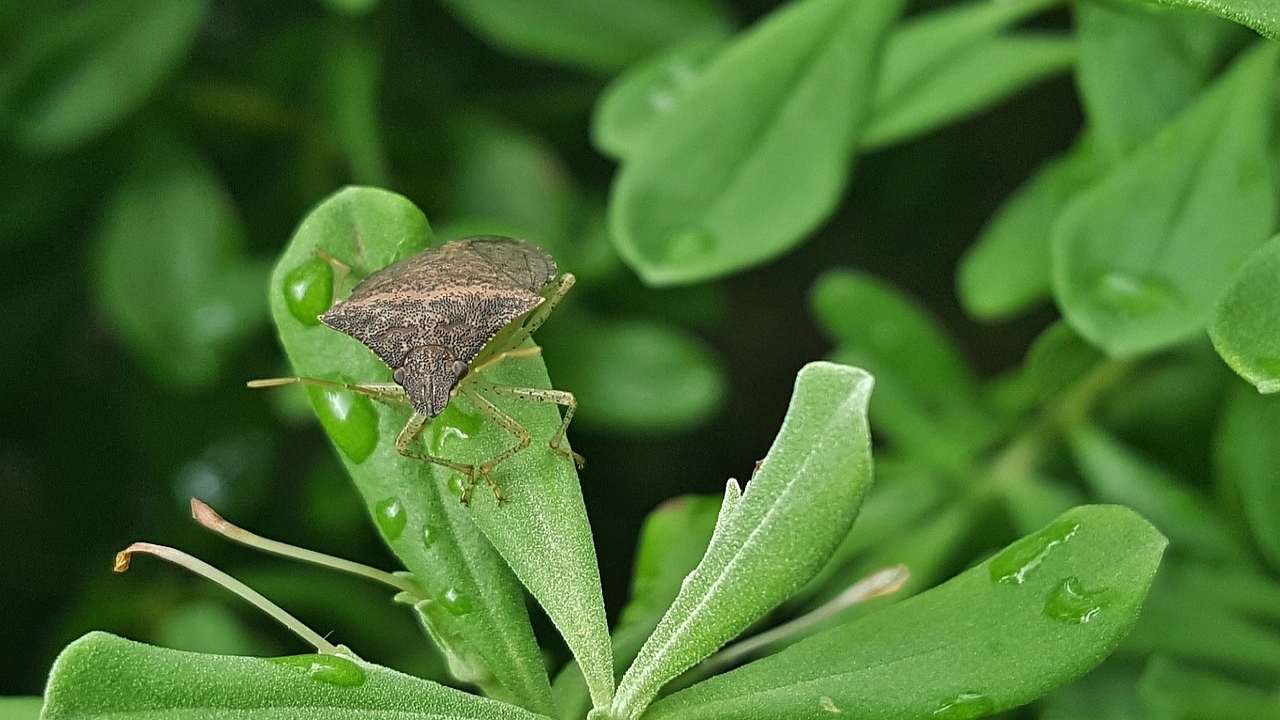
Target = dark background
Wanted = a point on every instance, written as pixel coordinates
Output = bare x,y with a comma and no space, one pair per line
97,451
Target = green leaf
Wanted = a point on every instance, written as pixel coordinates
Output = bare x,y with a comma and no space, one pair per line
799,506
929,399
78,73
1247,457
20,708
1106,693
1140,258
1008,268
1139,67
975,78
1041,612
634,102
1204,634
1261,15
1116,474
171,273
102,675
471,605
634,375
594,36
1176,693
1246,328
672,540
757,153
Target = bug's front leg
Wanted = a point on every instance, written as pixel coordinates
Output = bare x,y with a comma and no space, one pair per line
410,432
554,397
383,392
507,423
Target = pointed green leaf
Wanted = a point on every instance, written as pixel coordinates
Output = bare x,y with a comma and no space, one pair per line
1261,15
595,36
172,276
1140,66
101,676
1117,474
1246,328
757,153
1007,269
1041,612
799,506
471,604
78,72
1247,454
977,77
1141,257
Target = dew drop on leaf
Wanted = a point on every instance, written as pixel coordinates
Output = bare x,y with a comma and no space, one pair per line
965,706
330,669
390,517
455,484
428,536
455,602
1071,602
1016,562
690,245
1134,295
452,426
349,419
308,290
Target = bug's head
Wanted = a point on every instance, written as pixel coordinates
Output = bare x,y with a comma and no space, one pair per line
428,376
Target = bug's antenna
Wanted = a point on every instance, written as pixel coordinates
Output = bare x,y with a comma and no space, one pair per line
209,572
210,519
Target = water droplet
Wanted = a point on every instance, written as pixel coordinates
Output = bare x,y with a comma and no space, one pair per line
428,536
690,245
330,669
1135,295
350,420
455,484
390,517
308,290
965,706
1017,561
1071,602
455,602
452,426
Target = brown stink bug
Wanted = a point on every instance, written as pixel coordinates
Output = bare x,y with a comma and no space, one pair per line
440,317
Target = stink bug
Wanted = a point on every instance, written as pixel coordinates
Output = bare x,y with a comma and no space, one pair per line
438,319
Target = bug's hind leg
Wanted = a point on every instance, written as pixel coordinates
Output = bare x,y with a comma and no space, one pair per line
410,432
383,392
554,397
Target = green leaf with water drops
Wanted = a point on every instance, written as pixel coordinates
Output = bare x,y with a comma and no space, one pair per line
929,398
1140,258
102,675
798,506
172,275
20,708
1261,15
757,153
77,73
471,604
1008,268
1246,327
632,104
975,78
1173,692
1141,65
1247,459
1039,613
672,540
634,376
1117,474
598,37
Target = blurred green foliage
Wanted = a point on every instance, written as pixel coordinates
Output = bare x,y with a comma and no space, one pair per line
1099,177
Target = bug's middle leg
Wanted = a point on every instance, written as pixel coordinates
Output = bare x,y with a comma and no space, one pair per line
554,397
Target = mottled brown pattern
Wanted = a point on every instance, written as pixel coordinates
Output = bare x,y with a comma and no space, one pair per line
429,315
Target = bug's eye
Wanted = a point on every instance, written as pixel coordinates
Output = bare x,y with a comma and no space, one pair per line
459,368
398,376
